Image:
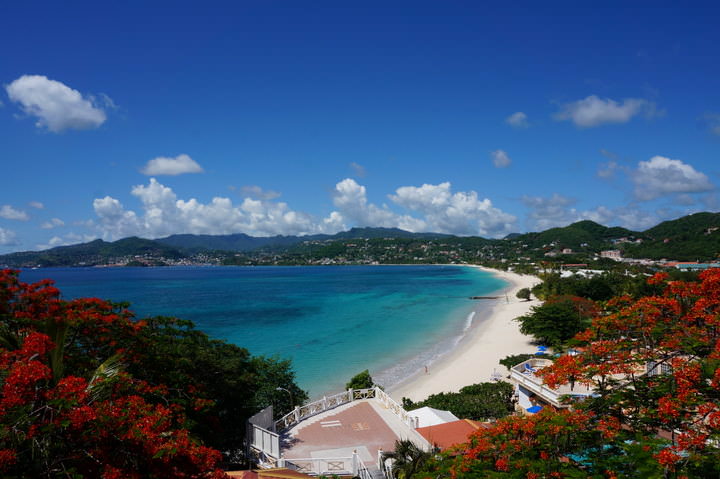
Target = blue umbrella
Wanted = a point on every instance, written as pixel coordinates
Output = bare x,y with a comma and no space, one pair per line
534,409
542,348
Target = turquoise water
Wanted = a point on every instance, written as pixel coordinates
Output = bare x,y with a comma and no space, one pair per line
332,322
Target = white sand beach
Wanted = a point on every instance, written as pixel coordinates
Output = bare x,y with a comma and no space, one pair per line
494,336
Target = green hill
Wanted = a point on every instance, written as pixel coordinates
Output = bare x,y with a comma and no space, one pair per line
92,253
690,238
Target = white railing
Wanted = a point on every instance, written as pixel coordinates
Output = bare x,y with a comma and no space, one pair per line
396,408
329,402
328,466
265,443
524,374
313,408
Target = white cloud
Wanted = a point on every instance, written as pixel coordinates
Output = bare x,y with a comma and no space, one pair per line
358,169
7,237
461,213
607,170
594,111
36,204
254,191
164,214
56,106
500,159
10,213
350,198
171,166
53,223
517,120
558,211
68,239
661,176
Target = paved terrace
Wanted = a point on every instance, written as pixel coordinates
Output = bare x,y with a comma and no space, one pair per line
363,426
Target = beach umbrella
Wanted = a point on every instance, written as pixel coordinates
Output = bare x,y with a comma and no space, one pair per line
534,409
542,348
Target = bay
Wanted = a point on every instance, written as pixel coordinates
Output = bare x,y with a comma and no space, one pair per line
332,322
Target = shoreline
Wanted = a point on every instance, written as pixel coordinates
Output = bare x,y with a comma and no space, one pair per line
493,336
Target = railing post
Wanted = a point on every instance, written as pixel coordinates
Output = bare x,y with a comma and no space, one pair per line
350,395
296,412
324,400
355,463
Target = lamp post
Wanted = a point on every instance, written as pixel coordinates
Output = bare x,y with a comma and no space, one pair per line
292,403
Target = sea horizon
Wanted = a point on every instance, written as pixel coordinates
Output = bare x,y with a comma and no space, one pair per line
330,321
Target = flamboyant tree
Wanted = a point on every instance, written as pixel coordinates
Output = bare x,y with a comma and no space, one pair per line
654,364
68,409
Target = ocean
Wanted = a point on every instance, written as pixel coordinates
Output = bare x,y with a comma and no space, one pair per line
331,321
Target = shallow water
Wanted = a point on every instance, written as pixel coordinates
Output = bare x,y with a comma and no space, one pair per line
332,322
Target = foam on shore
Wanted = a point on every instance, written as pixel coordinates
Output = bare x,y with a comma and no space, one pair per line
491,335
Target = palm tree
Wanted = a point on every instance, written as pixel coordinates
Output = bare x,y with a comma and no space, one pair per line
408,459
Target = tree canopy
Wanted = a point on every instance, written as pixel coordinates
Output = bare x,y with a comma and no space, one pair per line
480,401
87,390
654,364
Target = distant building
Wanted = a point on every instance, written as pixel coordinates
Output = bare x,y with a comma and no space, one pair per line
614,254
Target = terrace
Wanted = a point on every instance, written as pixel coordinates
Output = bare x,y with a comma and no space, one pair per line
531,388
343,434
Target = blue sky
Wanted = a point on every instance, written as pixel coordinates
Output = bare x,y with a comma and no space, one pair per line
274,117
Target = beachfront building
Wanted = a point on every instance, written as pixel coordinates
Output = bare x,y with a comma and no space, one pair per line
533,394
346,434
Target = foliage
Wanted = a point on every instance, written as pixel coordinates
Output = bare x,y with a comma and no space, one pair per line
524,293
619,433
361,380
408,459
480,401
515,359
88,391
557,320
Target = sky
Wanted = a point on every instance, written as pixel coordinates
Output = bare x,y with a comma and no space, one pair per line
283,117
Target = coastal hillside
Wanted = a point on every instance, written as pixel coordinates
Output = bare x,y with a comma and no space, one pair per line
92,253
241,242
691,238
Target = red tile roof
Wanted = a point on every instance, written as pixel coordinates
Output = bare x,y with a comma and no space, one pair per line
450,433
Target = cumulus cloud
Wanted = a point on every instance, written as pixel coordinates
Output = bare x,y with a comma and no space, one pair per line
7,237
594,111
65,240
254,191
10,213
500,159
350,198
661,176
518,120
36,204
171,166
558,210
163,213
56,106
461,213
53,223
